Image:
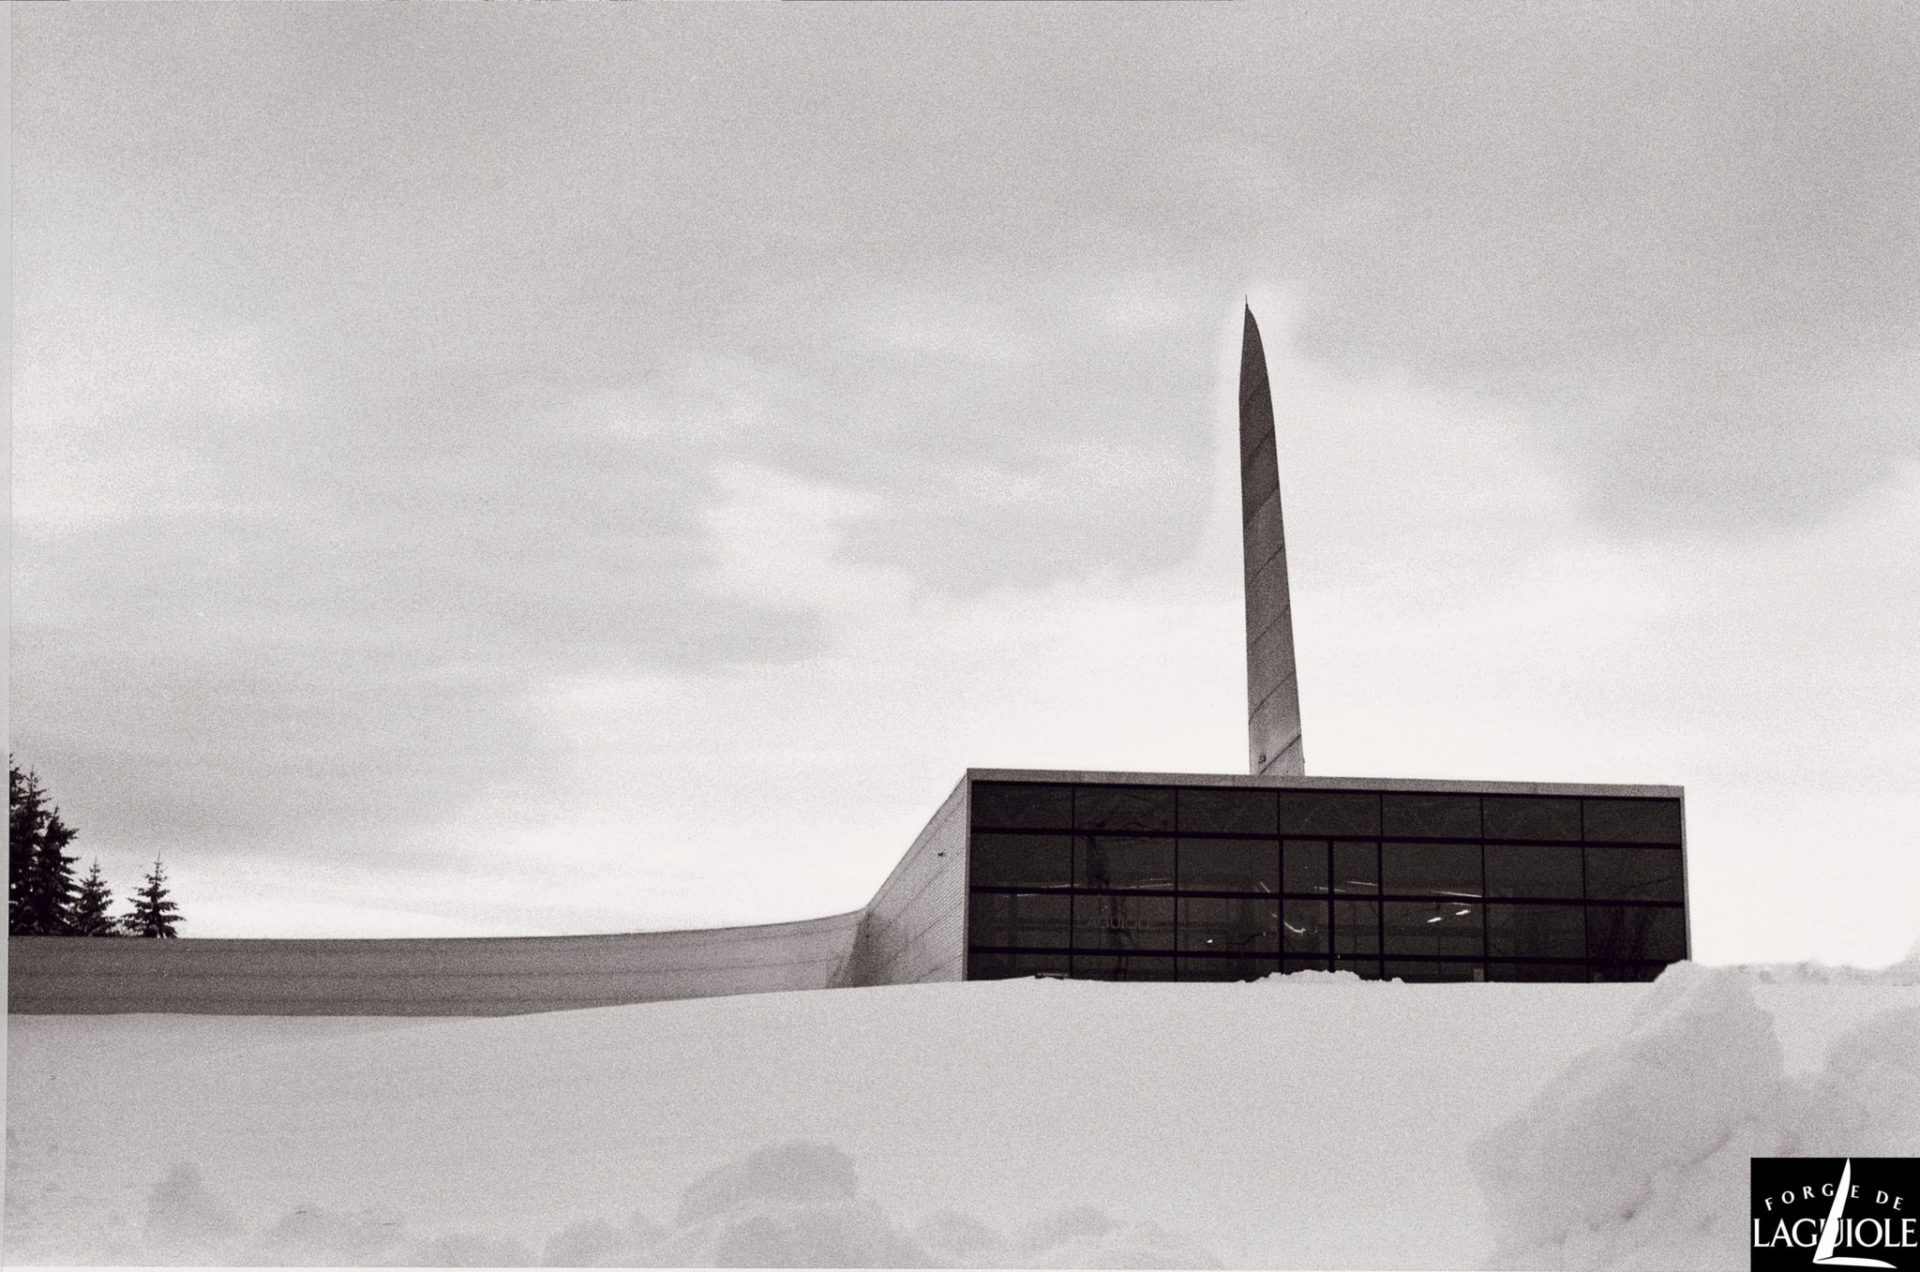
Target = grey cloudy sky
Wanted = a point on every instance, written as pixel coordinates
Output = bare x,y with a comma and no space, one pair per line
512,469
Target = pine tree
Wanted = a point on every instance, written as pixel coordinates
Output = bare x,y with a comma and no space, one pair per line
93,905
24,808
154,913
39,869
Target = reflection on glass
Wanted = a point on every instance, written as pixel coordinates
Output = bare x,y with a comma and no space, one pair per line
1230,865
1123,808
1229,925
1236,811
1431,927
1122,922
1035,919
1017,805
1329,813
1021,861
1356,867
1226,969
986,966
1135,967
1633,821
1536,931
1430,816
1533,870
1415,971
1356,927
1305,861
1122,861
1616,932
1547,817
1536,971
1634,874
1446,870
1303,926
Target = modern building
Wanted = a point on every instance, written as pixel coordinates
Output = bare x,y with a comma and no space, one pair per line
1110,876
1135,877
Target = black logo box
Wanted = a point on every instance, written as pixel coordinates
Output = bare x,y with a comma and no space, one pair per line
1794,1206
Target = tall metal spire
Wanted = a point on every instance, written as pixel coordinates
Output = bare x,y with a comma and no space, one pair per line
1273,687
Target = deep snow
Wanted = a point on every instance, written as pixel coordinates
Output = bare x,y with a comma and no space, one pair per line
1304,1121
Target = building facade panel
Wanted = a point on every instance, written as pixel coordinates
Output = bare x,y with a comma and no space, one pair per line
452,977
914,929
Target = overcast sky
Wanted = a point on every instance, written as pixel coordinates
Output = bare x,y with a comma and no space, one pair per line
499,469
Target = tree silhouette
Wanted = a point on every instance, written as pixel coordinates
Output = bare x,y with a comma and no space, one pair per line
39,870
92,907
154,913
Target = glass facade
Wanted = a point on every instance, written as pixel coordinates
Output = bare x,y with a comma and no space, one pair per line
1112,881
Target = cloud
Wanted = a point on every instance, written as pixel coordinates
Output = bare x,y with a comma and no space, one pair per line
401,392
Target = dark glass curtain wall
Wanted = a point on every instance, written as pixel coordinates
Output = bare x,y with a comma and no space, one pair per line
1187,883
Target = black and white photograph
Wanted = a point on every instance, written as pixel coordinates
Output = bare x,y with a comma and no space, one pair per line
1248,635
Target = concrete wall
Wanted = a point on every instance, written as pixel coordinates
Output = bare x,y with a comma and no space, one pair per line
462,977
915,927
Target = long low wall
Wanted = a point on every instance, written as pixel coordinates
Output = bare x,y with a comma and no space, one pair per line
476,976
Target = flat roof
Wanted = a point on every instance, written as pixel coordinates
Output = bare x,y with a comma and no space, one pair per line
1460,786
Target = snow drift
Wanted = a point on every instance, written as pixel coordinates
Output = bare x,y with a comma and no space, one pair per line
1306,1121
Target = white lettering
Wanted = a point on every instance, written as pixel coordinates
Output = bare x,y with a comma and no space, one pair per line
1880,1197
1796,1231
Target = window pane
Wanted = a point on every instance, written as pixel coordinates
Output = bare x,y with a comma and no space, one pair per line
1230,865
1244,811
1533,870
1365,968
1356,868
1537,971
1416,972
1438,816
1431,927
1305,964
983,966
1122,861
1551,817
1123,808
1536,931
1306,865
1021,861
1448,870
1329,812
1356,927
1627,971
1303,927
1120,967
1034,919
1122,923
1633,874
1227,925
1022,805
1226,969
1617,932
1633,821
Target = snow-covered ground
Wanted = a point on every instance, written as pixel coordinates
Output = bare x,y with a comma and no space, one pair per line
1303,1121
